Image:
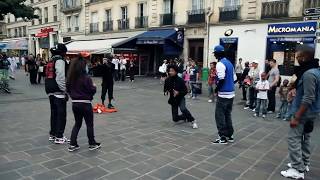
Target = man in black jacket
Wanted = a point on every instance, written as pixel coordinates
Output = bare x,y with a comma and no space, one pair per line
107,70
242,78
177,89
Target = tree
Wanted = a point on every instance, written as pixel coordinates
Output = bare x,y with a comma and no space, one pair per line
17,8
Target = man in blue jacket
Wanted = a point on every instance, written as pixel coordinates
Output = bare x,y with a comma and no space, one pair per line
225,91
306,109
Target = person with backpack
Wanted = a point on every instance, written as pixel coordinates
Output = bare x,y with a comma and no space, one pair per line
81,90
55,86
306,109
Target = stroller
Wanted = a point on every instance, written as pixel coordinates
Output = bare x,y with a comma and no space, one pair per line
4,81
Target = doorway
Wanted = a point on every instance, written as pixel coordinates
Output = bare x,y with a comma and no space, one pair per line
196,50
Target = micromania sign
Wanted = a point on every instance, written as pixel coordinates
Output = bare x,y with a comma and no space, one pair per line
292,28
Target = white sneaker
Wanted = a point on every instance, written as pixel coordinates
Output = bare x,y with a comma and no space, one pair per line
193,98
307,167
210,101
253,110
247,107
194,125
263,116
61,140
255,115
292,173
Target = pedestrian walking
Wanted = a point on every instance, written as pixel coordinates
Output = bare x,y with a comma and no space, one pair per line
163,71
273,78
262,96
212,81
107,69
13,67
225,90
55,85
283,93
81,90
306,108
41,66
32,69
132,70
176,88
244,86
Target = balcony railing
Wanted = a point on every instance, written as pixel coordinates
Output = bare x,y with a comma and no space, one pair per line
275,9
123,24
141,22
167,19
229,13
94,27
311,3
76,29
196,16
107,26
73,5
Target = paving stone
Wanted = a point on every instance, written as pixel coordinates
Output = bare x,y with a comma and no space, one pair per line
89,174
208,167
124,152
136,158
227,174
141,168
56,154
116,165
183,164
153,151
218,160
110,156
31,170
184,177
54,163
265,166
159,161
10,175
122,175
254,174
205,152
165,172
74,168
175,154
48,175
93,161
37,151
195,157
146,177
17,156
90,154
197,173
13,165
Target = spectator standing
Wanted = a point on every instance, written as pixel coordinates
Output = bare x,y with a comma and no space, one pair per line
13,67
239,69
41,73
283,92
116,62
241,80
123,68
163,71
131,70
212,81
291,95
107,69
262,96
254,75
194,78
32,69
274,78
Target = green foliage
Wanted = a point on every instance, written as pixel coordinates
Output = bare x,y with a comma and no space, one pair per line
17,8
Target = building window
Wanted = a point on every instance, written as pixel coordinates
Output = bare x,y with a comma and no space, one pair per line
55,13
108,15
24,31
124,12
15,32
94,25
167,6
142,18
142,9
231,3
46,15
197,4
76,23
68,23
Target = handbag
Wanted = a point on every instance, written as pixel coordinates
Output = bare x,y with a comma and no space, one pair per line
40,69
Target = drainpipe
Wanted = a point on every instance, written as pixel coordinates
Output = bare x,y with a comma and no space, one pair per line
209,14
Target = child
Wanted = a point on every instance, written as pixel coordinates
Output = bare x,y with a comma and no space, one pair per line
211,81
283,92
81,90
291,95
262,96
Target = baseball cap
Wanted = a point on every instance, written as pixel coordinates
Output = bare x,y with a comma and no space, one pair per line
59,48
255,62
218,48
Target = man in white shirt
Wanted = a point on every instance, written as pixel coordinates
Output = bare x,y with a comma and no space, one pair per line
123,68
116,63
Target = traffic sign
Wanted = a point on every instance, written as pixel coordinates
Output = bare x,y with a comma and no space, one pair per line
312,18
312,11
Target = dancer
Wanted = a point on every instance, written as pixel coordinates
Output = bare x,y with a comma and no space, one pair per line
108,70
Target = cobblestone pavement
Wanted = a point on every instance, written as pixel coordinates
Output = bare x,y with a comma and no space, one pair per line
140,141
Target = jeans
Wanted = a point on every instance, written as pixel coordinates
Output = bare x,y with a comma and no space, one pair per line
116,75
58,107
107,88
283,109
244,92
262,102
193,89
211,91
82,111
252,97
186,115
123,75
289,114
272,99
223,117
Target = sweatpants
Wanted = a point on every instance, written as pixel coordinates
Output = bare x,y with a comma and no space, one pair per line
223,117
186,115
82,111
299,144
58,107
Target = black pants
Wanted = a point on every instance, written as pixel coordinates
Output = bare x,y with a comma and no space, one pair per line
82,111
107,88
40,75
58,107
33,76
272,99
252,97
244,92
131,75
186,115
123,75
116,75
223,117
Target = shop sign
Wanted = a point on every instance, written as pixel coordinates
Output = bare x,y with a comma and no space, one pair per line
292,39
150,41
44,32
292,28
228,40
312,11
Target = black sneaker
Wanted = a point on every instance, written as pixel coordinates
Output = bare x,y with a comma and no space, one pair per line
73,148
94,146
220,141
230,139
110,106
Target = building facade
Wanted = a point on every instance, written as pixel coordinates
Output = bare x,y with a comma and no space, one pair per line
263,29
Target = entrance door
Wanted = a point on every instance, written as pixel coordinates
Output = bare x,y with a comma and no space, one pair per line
231,48
196,50
143,64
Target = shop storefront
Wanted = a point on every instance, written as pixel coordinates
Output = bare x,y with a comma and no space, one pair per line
15,47
283,41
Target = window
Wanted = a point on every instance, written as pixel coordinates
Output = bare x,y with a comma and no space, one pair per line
68,23
167,6
24,30
76,21
15,32
197,4
124,13
45,14
108,15
231,3
94,17
55,12
142,8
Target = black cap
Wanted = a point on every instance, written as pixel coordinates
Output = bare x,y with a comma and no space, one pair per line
59,49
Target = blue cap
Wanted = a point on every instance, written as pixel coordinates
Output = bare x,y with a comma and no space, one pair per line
218,48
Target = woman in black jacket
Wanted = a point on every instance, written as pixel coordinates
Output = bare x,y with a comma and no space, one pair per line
177,89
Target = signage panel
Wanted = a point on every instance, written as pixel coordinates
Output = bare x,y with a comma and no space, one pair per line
292,28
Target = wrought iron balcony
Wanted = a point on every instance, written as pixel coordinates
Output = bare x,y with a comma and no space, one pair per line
141,22
196,16
123,24
94,27
229,13
76,29
108,26
275,9
311,4
68,6
167,19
